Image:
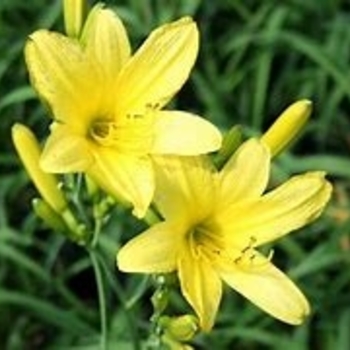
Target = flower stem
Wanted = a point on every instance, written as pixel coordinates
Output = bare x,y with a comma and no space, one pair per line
101,298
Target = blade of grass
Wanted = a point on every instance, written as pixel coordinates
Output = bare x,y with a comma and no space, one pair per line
46,311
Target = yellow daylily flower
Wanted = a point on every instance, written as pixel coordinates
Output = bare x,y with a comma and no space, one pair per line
213,223
107,105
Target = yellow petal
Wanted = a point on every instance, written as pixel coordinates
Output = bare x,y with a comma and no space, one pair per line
126,177
153,251
200,285
268,288
159,68
106,41
63,77
185,187
65,151
289,207
245,175
183,133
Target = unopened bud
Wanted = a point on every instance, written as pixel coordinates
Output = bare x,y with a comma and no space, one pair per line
287,126
64,222
172,344
160,299
28,149
74,16
182,328
53,220
231,141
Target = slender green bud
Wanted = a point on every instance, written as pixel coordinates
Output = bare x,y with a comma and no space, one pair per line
151,217
64,222
287,126
76,231
231,141
182,328
91,186
49,216
74,16
172,344
160,299
28,149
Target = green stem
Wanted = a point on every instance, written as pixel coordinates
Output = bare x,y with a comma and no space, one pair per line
101,298
120,294
160,299
97,230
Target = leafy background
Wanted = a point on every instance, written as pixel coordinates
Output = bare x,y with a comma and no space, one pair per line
256,57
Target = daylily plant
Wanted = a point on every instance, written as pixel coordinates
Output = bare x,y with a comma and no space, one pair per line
107,104
213,223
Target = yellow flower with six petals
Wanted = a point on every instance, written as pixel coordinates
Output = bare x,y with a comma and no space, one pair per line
107,103
213,223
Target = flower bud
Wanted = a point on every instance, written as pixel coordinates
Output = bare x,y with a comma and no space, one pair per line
64,222
287,126
182,328
52,219
172,344
231,141
28,149
74,16
160,299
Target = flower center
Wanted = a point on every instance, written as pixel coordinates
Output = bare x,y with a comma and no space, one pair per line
133,134
202,240
104,131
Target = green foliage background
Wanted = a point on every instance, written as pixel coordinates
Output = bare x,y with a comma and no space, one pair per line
256,58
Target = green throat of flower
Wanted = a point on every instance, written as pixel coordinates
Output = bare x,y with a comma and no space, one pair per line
104,131
204,242
133,135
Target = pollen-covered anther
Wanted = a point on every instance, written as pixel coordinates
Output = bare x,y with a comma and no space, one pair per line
252,259
152,106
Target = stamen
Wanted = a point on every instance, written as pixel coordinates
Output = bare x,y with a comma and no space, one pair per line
195,246
270,255
131,137
202,243
133,132
134,116
152,106
250,259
